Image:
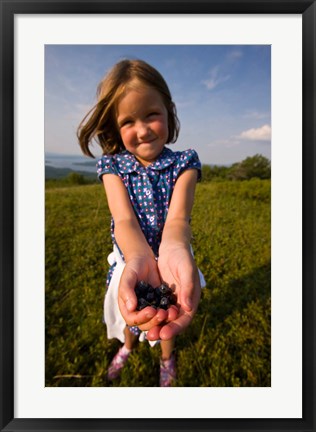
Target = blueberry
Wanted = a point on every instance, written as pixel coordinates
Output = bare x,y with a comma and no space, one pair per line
163,288
164,303
172,299
160,297
150,297
142,303
157,292
142,286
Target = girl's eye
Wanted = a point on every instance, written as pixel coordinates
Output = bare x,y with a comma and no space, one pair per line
153,114
125,123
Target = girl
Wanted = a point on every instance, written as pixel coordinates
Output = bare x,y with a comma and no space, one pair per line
150,192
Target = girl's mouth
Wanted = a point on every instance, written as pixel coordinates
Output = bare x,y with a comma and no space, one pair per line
147,141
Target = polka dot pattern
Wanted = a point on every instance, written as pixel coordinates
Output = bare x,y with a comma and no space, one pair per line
150,188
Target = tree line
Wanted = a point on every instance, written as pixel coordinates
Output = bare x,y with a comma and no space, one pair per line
256,166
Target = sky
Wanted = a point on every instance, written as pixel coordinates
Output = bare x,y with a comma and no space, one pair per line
222,94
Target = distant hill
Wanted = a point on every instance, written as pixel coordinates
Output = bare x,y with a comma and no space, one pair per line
58,173
90,163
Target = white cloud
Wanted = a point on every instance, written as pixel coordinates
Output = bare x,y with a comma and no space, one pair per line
184,103
214,78
257,115
234,55
262,133
224,142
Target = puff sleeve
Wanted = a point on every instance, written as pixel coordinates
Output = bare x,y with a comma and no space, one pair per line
188,159
106,165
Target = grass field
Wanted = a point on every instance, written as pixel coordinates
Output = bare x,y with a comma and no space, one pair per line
228,343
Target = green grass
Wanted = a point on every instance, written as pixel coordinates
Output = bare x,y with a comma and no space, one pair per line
228,343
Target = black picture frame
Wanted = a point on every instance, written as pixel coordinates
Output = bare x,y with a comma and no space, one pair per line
8,10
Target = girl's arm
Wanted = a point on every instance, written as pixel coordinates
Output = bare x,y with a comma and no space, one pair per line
175,262
139,257
177,230
128,233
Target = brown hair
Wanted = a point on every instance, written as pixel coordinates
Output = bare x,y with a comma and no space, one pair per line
100,122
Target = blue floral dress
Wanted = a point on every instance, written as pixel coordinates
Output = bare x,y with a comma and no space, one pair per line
150,188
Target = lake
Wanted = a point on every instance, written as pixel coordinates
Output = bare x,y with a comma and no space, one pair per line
73,162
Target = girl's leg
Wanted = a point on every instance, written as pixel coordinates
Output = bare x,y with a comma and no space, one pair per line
130,339
122,355
167,348
167,363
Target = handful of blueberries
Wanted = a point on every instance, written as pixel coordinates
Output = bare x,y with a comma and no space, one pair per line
160,297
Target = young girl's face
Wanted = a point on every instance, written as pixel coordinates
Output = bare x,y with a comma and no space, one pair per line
142,119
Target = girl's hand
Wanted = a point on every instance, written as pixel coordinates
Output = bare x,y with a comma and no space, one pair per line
139,257
137,269
177,268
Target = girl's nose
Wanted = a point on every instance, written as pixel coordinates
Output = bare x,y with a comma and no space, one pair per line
143,130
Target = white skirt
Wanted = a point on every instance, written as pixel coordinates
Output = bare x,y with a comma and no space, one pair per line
113,318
